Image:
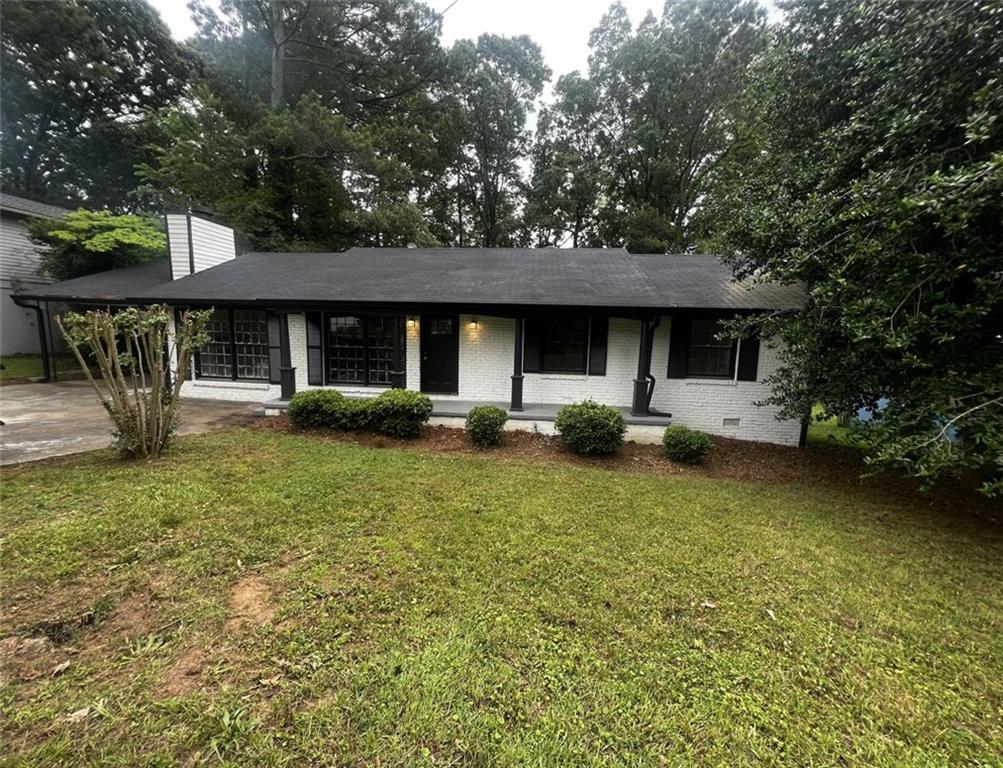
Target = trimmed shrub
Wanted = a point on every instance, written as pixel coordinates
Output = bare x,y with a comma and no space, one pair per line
484,424
591,429
400,413
329,409
686,445
314,408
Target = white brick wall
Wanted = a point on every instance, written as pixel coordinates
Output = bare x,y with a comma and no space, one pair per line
485,360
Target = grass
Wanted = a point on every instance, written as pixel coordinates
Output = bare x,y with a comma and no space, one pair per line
16,367
259,598
826,431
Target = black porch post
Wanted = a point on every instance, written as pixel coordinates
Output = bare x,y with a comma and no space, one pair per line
520,332
43,340
287,373
52,345
641,403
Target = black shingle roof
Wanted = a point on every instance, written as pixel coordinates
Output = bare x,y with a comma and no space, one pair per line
470,276
26,207
113,285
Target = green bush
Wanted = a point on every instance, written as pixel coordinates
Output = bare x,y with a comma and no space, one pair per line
314,408
484,424
686,445
591,429
329,409
400,412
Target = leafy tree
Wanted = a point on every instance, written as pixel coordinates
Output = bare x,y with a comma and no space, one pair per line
497,81
568,167
83,242
627,156
305,133
77,78
877,181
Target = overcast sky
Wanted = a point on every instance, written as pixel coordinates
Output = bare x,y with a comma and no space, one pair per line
560,27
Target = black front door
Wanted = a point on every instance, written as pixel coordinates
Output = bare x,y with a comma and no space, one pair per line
440,353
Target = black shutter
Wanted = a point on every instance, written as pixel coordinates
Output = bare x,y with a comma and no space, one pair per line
598,341
748,360
274,349
314,352
679,347
532,361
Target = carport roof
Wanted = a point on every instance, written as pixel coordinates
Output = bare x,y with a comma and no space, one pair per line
582,277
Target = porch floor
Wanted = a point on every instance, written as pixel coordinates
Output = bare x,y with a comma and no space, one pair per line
530,411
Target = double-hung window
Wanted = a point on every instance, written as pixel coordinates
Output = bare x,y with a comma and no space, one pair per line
711,357
238,346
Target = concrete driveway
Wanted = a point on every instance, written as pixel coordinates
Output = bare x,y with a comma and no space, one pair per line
45,420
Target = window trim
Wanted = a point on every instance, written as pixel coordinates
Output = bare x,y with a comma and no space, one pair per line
197,368
586,369
325,350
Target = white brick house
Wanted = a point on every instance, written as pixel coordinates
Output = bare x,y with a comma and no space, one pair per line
526,329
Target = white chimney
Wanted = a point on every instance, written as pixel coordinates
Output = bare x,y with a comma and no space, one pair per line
196,243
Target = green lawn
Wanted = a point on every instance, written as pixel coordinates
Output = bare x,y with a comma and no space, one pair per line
30,366
826,431
258,598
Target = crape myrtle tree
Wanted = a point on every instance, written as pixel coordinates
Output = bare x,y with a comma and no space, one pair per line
78,78
134,351
877,181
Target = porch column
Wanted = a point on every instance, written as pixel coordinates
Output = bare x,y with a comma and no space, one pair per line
520,333
644,383
398,375
287,373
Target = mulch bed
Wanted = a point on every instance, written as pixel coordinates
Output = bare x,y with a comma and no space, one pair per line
731,459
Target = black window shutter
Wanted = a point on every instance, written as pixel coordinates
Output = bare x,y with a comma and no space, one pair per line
748,360
679,347
598,342
195,363
274,349
532,351
314,356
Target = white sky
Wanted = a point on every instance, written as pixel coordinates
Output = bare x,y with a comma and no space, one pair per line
560,27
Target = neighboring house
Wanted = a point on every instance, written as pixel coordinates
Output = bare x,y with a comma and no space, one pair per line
527,329
20,263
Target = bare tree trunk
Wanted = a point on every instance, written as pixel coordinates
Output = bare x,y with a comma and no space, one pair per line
278,53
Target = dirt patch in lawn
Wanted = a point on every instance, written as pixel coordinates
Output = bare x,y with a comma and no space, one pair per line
250,603
185,675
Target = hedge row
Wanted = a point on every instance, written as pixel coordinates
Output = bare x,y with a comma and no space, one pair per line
587,428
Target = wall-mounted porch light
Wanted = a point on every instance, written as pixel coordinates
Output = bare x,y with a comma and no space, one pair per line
412,321
473,323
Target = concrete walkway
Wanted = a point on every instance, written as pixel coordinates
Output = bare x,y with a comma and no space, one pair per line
45,420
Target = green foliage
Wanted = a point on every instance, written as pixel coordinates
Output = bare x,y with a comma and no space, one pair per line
626,155
686,445
485,423
591,429
329,409
314,408
78,78
400,413
875,177
132,352
83,242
